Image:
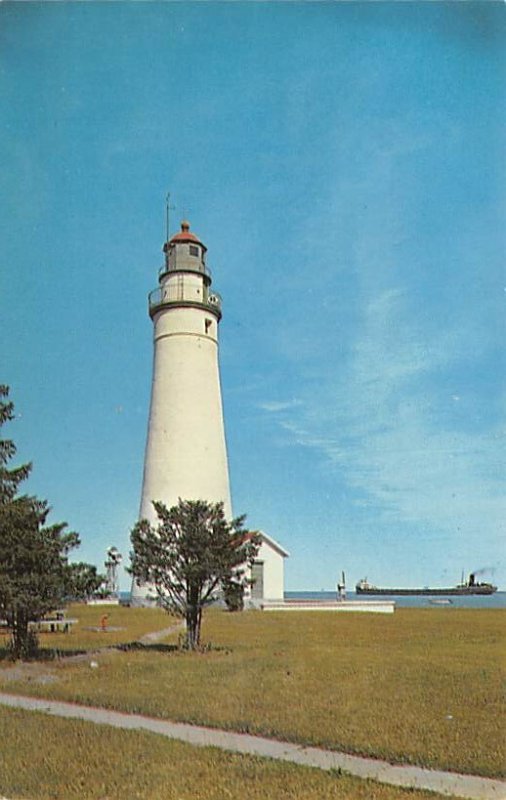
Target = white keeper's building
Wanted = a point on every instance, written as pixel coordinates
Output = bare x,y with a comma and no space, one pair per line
267,574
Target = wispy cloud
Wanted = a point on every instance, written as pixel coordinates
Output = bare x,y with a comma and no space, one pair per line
381,423
275,406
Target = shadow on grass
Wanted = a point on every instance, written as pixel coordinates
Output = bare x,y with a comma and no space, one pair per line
169,648
147,648
53,653
43,654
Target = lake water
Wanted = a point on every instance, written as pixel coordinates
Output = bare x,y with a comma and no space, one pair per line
496,600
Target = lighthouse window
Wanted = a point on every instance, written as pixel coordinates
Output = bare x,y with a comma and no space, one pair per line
194,251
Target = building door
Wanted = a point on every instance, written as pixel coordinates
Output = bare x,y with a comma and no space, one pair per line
257,577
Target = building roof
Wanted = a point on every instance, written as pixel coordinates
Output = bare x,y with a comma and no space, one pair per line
185,236
271,542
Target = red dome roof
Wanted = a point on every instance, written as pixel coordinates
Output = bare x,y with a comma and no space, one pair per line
185,236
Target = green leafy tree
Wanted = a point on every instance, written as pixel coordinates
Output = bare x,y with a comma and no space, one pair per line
233,594
35,576
85,582
189,555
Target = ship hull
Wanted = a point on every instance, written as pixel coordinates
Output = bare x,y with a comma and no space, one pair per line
456,591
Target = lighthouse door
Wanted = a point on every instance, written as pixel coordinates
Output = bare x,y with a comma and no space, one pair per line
257,577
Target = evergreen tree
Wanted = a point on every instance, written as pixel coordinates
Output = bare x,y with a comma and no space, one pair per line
9,478
189,555
35,576
84,581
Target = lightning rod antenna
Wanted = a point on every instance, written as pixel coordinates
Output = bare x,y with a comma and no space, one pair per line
168,209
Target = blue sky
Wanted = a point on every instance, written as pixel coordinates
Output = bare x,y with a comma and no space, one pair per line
344,163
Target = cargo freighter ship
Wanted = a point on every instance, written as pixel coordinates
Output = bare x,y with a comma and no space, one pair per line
471,586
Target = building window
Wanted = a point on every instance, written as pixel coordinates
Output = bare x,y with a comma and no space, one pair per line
208,323
194,251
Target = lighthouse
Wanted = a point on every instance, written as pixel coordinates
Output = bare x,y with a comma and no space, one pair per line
186,455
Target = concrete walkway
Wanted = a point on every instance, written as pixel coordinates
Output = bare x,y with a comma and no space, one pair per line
156,636
446,783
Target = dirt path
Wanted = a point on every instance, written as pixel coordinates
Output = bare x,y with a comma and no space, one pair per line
151,638
39,672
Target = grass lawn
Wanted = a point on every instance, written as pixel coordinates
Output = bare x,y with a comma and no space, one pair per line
420,686
60,759
132,623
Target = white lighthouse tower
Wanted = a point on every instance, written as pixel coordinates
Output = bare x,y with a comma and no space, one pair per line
186,454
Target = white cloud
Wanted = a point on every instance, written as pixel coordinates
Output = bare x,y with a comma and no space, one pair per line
377,422
275,406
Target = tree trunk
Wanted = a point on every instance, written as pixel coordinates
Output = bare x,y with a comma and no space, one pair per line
24,643
198,625
191,628
193,620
